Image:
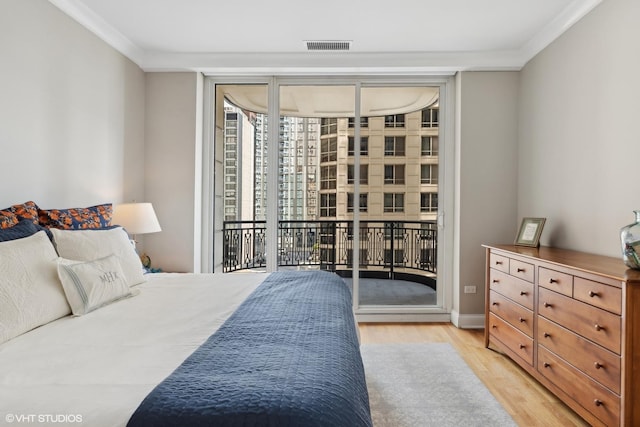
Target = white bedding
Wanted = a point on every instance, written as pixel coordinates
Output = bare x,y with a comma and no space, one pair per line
94,370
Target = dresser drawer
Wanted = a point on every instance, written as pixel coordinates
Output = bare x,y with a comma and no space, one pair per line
521,270
600,364
515,314
499,262
556,281
602,403
598,294
591,322
518,342
511,287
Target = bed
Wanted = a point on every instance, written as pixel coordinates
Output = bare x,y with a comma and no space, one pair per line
250,349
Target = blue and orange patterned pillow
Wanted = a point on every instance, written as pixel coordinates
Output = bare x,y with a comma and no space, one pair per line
98,216
13,214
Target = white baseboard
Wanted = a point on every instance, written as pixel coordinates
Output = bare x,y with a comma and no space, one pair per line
467,321
408,317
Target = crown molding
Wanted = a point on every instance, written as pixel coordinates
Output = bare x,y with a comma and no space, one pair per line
311,63
98,26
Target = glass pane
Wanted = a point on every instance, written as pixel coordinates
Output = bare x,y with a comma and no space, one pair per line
241,163
398,229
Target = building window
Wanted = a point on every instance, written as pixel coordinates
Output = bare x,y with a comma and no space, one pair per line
428,202
364,146
428,174
394,174
364,197
394,145
430,117
429,146
328,177
328,205
364,174
364,122
328,126
394,121
329,150
394,202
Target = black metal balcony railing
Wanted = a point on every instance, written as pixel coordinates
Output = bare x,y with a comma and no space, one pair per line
384,245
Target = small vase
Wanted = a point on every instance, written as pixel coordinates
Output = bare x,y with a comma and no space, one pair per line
630,239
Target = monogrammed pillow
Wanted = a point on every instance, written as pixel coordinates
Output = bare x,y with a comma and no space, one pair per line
90,285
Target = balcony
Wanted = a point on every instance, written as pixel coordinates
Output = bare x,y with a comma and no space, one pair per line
397,250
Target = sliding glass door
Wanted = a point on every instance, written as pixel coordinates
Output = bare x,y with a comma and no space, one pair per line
350,184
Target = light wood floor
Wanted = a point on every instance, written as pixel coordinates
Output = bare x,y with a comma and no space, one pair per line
523,397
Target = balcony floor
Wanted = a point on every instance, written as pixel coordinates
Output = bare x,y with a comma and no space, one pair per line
393,292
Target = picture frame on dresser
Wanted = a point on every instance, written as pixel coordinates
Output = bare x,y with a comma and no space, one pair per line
530,231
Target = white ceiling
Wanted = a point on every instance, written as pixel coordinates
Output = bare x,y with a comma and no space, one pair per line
406,36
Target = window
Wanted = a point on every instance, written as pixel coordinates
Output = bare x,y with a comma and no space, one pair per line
329,150
428,202
364,122
364,197
364,174
394,202
328,126
430,117
394,174
364,146
327,205
328,177
428,174
394,121
394,145
429,146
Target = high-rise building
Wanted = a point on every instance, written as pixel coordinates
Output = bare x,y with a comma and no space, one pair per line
398,167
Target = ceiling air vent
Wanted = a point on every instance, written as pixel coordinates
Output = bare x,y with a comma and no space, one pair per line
328,45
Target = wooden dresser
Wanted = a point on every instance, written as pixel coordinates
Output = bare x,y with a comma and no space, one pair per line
572,320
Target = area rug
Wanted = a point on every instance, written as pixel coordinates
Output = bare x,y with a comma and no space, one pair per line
419,385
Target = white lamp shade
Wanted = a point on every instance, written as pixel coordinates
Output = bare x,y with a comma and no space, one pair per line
136,218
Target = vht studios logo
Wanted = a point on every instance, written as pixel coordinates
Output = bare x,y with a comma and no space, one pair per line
109,277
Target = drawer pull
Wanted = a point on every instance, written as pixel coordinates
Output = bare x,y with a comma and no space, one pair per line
498,262
521,320
598,327
546,365
598,402
520,270
547,335
523,293
547,305
593,294
552,280
522,346
598,365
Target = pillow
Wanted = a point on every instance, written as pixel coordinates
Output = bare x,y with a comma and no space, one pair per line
87,245
98,216
27,210
7,219
92,284
24,228
30,291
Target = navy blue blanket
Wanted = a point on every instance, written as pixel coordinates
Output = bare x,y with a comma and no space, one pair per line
288,356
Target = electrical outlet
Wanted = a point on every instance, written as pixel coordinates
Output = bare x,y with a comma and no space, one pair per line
469,289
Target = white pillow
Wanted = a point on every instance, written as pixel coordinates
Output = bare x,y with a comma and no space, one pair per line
89,245
92,284
30,291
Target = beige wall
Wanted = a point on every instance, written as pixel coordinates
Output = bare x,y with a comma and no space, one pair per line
71,112
578,139
486,164
173,165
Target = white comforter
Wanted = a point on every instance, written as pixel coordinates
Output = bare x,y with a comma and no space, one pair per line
95,370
